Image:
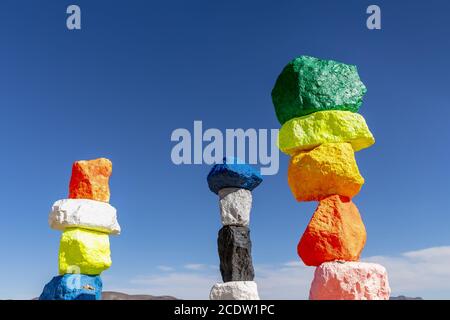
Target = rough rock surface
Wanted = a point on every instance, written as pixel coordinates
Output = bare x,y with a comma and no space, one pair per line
335,232
235,248
84,251
84,213
73,287
90,179
326,170
308,132
350,281
308,84
235,290
235,206
233,174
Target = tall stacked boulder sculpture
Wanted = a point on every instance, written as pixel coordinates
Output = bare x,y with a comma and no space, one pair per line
233,182
316,102
86,220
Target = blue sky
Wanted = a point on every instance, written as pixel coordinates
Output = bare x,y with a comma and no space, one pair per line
138,70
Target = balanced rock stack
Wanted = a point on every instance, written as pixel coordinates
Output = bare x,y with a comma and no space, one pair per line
86,220
233,182
316,102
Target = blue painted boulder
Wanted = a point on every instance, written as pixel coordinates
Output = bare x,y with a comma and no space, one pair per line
73,287
233,174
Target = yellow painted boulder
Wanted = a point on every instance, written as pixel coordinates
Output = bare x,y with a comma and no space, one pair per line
326,170
308,132
84,251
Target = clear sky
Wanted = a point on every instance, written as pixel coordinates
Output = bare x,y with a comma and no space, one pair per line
137,70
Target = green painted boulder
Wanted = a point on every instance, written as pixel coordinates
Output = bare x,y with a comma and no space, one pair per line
308,85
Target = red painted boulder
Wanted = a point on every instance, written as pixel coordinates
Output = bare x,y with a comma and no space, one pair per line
90,180
350,281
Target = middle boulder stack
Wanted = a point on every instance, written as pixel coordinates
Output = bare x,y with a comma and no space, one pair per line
233,182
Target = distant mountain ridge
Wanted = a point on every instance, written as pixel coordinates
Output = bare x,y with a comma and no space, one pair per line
405,298
113,295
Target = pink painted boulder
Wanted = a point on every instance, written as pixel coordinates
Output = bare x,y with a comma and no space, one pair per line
339,280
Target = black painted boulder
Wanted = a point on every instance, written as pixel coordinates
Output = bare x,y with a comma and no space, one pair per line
235,252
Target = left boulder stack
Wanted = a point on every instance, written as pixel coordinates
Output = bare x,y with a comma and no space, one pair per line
86,220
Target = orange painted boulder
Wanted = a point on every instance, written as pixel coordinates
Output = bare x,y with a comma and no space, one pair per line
90,179
326,170
335,232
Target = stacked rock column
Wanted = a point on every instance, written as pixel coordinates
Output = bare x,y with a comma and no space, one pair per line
86,220
233,182
317,101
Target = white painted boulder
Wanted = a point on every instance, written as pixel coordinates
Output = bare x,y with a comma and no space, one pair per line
84,213
235,206
350,281
234,290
